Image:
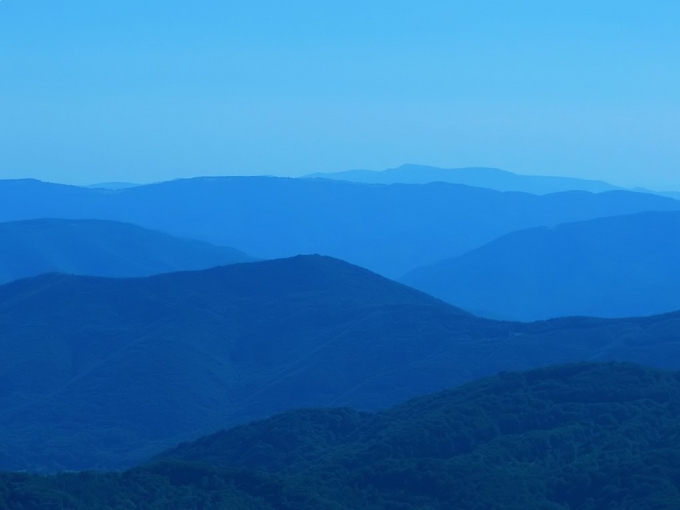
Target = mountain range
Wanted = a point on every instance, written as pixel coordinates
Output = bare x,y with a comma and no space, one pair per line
101,248
390,229
482,177
607,267
102,372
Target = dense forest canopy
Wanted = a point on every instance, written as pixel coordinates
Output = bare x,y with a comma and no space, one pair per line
573,437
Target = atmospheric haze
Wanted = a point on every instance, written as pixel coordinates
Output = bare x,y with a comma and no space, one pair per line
150,91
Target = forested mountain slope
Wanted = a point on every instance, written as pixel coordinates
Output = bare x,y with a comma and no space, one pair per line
575,437
101,372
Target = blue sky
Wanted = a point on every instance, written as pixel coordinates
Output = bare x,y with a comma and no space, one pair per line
146,90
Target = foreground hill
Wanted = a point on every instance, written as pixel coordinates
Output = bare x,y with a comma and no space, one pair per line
491,178
388,229
607,267
576,437
102,372
101,248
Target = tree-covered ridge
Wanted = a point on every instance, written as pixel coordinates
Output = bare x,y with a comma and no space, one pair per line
574,437
103,373
131,366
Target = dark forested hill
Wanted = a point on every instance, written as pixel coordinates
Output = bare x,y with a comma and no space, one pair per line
573,437
607,267
576,436
101,372
101,248
389,229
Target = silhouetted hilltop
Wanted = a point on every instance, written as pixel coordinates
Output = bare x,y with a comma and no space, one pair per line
101,248
389,229
102,372
125,363
607,267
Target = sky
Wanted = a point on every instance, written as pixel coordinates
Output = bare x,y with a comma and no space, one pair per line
144,91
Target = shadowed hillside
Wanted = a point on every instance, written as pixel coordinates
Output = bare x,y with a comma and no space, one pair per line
577,436
574,437
388,229
607,267
101,248
102,372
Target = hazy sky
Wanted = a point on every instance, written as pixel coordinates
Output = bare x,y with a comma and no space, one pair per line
144,90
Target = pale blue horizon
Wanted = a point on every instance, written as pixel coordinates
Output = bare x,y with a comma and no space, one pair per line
152,91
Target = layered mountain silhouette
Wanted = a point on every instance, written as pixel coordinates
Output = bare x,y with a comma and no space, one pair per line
390,229
101,248
102,372
491,178
607,267
572,437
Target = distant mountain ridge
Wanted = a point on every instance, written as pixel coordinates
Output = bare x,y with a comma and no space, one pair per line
390,229
608,267
491,178
101,248
101,372
482,177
